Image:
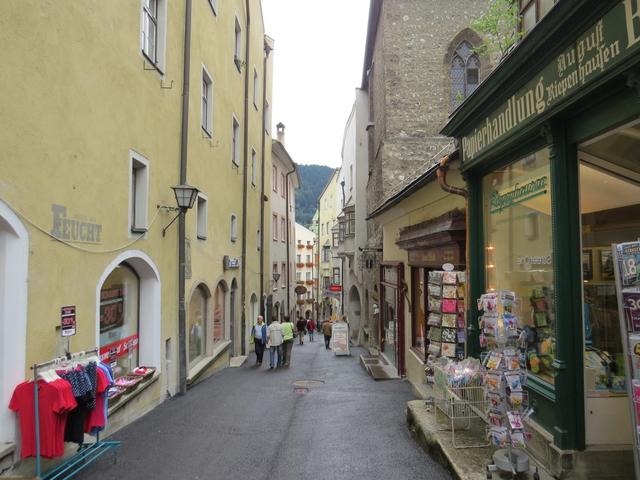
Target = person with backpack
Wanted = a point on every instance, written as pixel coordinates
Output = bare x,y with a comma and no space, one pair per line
311,326
301,326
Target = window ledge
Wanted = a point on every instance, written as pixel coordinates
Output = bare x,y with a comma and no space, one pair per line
127,397
541,387
207,361
7,449
416,353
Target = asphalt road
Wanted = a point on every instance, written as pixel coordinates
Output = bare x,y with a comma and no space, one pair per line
249,423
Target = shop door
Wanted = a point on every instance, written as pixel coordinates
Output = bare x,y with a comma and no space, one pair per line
610,213
390,322
392,325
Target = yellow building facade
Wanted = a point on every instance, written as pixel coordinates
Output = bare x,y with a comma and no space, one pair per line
91,117
327,220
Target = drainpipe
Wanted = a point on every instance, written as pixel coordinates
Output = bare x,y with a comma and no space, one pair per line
267,51
286,182
182,340
243,272
318,280
342,285
441,172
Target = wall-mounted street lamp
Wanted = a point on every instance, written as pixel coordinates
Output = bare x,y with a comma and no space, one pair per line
185,198
276,277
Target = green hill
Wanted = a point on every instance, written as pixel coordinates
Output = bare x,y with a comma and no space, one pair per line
313,179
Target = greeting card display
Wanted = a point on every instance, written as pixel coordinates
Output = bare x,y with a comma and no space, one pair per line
445,304
505,377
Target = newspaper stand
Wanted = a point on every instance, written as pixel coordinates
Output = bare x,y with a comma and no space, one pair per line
457,403
88,452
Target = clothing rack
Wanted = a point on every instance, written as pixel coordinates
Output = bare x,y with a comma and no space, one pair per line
88,452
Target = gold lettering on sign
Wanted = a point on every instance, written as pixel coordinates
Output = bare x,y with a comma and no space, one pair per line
632,15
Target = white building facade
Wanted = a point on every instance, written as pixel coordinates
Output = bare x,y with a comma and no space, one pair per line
352,227
306,268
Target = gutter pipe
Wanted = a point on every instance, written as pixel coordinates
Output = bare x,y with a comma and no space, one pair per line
243,273
184,140
286,182
267,51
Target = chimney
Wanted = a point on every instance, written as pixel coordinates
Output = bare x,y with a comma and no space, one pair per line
280,130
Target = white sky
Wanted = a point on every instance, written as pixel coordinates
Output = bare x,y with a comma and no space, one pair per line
318,56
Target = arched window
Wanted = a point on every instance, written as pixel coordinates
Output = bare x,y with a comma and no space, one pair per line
465,73
198,324
119,318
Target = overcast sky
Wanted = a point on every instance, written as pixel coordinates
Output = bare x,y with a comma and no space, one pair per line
318,55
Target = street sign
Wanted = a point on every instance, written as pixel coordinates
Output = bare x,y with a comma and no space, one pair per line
300,290
335,288
68,320
340,338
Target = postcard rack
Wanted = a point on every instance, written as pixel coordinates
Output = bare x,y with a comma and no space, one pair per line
88,452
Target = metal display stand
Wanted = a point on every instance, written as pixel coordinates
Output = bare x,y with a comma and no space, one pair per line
88,452
626,266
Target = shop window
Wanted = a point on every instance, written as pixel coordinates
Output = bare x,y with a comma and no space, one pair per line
198,324
465,73
119,319
219,308
519,251
609,175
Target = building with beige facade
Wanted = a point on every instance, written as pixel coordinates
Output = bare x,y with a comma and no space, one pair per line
95,133
285,180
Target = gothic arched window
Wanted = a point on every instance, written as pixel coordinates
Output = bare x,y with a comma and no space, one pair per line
465,73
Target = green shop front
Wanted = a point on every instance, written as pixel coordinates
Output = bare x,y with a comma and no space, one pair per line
550,147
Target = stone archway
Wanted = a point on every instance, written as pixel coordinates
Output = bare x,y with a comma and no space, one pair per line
14,268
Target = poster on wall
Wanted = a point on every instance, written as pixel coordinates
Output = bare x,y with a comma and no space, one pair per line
68,320
626,263
111,308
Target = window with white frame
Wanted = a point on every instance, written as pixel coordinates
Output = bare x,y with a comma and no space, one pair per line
258,240
283,229
308,275
274,180
274,227
214,6
254,173
336,275
237,49
283,279
298,276
267,116
298,258
255,88
283,185
152,31
234,227
235,147
206,104
138,192
201,222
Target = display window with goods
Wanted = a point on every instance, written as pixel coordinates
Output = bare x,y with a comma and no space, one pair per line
392,325
119,319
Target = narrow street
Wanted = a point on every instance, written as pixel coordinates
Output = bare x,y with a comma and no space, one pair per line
250,423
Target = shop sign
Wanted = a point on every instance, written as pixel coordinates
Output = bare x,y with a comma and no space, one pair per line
300,290
68,320
335,288
77,229
120,348
608,42
518,193
435,256
340,338
230,263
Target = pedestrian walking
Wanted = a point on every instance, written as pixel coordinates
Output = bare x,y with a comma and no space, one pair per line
327,328
259,335
274,341
311,327
301,326
287,340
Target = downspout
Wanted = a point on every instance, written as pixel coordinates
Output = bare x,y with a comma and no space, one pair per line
318,280
286,182
267,51
182,340
243,266
441,172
